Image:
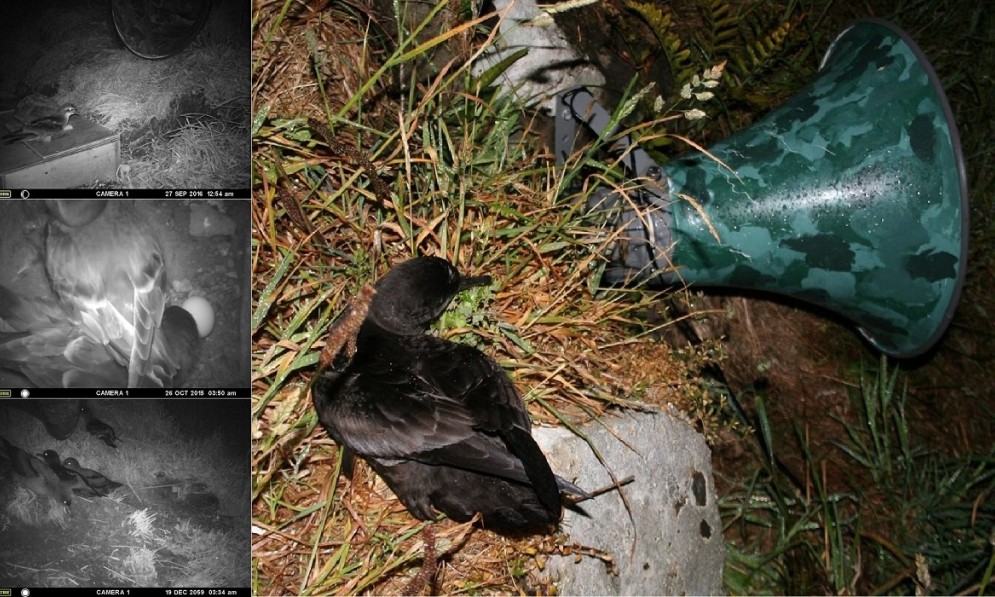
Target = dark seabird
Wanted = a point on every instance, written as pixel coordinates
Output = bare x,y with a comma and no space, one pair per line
51,458
110,326
107,268
98,428
440,422
69,477
99,484
32,473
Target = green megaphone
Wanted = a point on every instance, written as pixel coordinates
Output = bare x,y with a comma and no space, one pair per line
851,196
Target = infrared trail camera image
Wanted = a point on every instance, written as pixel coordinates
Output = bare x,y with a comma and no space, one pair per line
119,94
123,293
124,493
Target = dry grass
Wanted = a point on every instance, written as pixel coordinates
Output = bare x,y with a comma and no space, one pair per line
469,180
34,510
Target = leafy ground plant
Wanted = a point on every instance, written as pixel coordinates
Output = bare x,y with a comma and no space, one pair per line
916,521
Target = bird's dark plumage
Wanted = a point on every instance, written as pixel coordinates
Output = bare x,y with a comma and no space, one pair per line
32,473
98,428
99,484
70,478
181,342
51,458
440,422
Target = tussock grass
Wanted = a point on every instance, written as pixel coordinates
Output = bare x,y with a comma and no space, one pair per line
34,510
923,525
138,567
142,523
468,177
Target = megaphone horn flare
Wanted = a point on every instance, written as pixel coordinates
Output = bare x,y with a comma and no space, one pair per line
851,196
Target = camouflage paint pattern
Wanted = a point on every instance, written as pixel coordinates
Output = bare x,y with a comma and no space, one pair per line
851,196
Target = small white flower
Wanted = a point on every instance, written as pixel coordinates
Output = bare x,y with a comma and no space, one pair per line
686,91
715,72
704,96
694,114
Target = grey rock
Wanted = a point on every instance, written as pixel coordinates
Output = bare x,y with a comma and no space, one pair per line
551,66
673,542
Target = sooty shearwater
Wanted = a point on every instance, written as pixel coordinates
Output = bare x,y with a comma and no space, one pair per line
32,473
98,428
440,422
51,458
96,482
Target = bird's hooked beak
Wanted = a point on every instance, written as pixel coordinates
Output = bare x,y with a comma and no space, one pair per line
472,281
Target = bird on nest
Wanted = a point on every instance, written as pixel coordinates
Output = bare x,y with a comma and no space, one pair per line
98,428
84,482
440,422
96,483
111,326
51,458
43,129
32,473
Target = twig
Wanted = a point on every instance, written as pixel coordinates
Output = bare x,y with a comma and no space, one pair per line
604,490
344,331
380,191
427,571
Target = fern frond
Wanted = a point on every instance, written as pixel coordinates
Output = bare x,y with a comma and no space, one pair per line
660,20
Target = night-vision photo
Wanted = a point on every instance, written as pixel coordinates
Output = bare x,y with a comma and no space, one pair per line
124,493
124,294
124,94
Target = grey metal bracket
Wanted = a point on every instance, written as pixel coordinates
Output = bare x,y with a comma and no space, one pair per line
650,241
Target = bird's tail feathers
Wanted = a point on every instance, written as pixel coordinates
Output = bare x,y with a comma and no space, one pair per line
545,483
15,137
569,488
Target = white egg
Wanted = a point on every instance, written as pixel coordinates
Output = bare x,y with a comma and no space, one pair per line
202,313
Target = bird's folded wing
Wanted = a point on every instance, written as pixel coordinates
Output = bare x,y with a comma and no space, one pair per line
22,315
407,421
476,382
149,302
92,367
